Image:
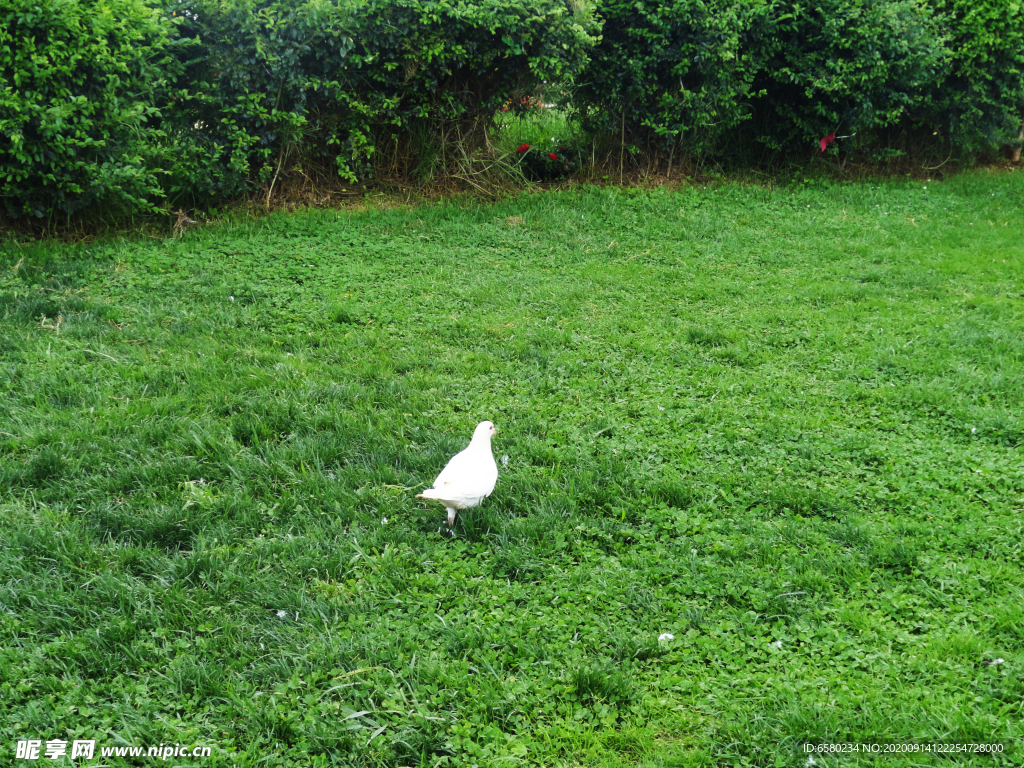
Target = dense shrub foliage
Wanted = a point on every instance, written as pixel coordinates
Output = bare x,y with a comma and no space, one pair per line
548,162
80,81
686,73
445,69
667,72
980,101
837,64
330,84
128,104
264,82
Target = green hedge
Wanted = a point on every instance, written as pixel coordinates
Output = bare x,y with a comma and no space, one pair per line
854,66
670,72
691,71
262,81
695,74
80,81
980,101
122,103
330,84
126,105
445,68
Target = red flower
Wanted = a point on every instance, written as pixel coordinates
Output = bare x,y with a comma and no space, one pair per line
553,156
523,148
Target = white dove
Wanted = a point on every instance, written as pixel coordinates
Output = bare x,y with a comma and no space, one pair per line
469,476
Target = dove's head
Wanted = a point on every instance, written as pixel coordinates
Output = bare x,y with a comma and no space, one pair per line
484,431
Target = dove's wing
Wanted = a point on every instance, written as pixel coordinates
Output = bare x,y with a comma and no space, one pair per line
469,474
457,469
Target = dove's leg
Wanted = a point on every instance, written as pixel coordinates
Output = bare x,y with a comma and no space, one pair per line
451,516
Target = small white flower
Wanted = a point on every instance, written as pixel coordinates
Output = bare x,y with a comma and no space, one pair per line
994,662
660,408
504,460
666,637
282,614
777,643
973,430
231,298
810,761
384,521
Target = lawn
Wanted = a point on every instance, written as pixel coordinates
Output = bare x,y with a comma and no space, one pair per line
783,426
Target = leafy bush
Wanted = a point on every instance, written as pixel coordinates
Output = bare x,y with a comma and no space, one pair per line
552,163
670,72
124,105
688,74
79,88
264,85
980,102
854,65
332,83
444,71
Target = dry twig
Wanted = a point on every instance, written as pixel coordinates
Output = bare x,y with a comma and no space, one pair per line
182,222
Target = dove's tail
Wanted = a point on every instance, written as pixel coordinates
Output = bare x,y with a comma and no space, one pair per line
440,494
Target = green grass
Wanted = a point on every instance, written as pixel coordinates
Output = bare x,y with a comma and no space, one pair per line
783,426
536,128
